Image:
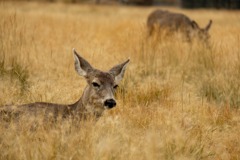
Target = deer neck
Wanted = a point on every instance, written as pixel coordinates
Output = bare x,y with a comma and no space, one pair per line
83,107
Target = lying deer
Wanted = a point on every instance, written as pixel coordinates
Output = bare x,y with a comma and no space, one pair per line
97,96
175,22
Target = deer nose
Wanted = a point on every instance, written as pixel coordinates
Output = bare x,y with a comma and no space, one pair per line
110,103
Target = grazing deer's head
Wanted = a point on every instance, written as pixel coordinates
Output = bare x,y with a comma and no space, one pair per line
202,33
101,86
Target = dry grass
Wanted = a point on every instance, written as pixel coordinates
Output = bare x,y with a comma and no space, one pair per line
176,102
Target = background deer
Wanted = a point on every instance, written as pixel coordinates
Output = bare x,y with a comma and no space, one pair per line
175,22
97,96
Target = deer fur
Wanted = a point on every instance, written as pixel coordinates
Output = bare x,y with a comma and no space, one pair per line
161,20
97,97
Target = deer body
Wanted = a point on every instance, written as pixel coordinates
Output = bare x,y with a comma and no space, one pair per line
97,96
176,22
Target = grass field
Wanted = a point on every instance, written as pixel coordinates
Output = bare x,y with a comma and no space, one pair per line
177,101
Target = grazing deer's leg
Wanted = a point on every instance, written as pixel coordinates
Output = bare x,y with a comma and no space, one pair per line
150,31
188,36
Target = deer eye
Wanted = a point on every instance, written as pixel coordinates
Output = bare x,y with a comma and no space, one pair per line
115,87
96,85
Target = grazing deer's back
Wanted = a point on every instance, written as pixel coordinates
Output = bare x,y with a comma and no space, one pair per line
167,19
158,14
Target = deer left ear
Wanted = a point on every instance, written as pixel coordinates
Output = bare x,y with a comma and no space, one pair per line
81,65
118,71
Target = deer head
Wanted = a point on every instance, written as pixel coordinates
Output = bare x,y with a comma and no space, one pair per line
101,86
202,33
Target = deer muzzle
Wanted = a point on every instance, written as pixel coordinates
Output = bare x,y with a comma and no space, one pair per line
110,103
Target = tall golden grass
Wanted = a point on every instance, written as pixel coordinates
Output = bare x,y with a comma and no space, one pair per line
177,101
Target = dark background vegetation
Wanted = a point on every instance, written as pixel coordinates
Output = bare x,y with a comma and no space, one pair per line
227,4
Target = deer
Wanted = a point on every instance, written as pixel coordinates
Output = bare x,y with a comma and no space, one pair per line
97,96
162,20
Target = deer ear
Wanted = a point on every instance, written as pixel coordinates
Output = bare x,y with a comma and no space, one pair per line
208,26
81,65
194,24
118,71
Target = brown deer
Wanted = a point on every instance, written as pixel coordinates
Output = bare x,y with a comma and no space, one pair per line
97,96
175,22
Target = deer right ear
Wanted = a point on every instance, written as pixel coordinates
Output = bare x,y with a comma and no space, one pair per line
209,25
81,65
118,71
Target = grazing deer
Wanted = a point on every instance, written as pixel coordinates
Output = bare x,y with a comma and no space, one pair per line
97,96
176,22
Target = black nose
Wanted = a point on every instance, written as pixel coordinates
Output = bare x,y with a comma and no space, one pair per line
110,103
